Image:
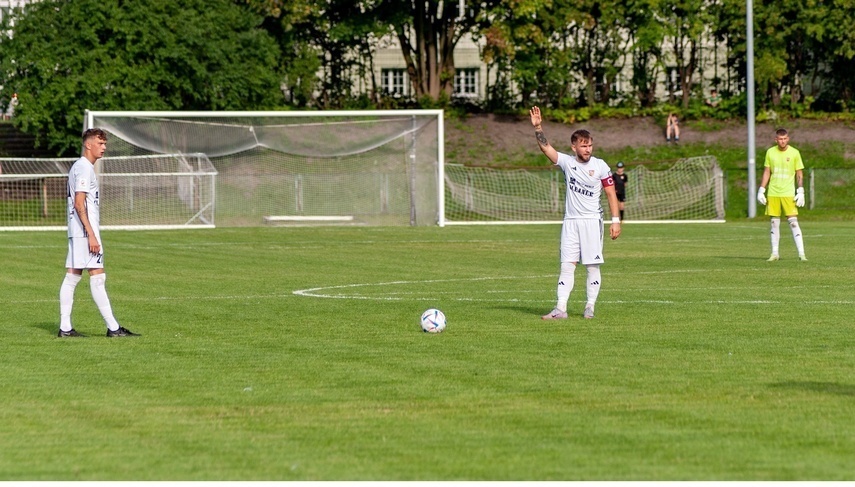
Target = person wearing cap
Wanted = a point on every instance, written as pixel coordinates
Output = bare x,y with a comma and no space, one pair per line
620,186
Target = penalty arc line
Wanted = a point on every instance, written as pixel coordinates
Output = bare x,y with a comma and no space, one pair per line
323,292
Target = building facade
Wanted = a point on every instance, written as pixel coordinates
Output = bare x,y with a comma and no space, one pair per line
472,77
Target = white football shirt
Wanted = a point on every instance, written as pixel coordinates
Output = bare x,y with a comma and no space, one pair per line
585,182
81,178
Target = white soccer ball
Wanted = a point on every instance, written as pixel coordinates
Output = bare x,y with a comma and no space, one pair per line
433,321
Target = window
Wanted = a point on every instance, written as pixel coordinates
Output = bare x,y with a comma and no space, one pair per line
466,82
394,82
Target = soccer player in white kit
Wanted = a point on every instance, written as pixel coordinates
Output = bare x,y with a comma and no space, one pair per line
586,178
84,239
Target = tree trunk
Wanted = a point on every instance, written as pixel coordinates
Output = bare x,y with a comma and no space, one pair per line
688,73
428,44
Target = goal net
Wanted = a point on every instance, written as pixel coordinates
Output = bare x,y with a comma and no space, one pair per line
301,168
690,189
137,192
830,188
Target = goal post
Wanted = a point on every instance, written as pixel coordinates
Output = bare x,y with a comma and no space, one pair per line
689,190
367,167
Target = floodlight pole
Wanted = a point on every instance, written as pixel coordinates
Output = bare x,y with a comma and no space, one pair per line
749,87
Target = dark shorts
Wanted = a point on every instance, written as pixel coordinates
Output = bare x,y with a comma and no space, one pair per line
621,197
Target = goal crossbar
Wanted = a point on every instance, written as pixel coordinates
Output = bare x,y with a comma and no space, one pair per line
381,167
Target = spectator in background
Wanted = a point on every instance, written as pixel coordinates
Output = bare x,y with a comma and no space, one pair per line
10,108
672,128
620,187
714,99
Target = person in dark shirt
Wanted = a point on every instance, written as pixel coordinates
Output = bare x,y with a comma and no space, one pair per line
620,187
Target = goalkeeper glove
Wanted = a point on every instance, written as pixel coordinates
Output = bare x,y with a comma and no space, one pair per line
800,197
761,195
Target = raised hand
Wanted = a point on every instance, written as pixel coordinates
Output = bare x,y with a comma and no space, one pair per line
536,118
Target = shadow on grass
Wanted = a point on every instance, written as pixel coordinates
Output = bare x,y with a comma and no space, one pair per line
826,387
50,328
526,310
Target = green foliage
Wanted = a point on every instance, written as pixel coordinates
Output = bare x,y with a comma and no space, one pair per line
730,108
698,365
64,57
67,57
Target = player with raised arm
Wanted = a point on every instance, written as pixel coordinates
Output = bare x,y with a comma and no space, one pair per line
586,177
784,175
84,239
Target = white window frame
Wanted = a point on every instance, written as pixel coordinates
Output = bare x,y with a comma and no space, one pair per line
395,82
672,79
467,82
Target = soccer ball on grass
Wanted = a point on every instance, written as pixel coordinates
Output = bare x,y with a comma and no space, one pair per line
433,321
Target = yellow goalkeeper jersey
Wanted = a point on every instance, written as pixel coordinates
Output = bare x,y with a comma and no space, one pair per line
783,165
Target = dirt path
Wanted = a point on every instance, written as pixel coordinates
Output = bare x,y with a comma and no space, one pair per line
490,138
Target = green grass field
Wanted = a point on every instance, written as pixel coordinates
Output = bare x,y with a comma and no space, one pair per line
295,354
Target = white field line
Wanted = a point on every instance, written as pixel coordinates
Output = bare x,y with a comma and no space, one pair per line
314,292
350,291
399,293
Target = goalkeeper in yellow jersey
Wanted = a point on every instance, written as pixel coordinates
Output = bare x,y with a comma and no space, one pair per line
784,176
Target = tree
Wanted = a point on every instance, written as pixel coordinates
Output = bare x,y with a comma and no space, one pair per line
646,35
428,31
326,45
600,44
65,57
518,46
686,21
799,45
836,33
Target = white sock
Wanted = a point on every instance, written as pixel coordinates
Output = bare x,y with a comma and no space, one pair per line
797,234
66,300
776,235
565,285
594,279
97,284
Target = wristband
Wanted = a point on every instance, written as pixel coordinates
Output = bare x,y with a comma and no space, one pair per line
615,219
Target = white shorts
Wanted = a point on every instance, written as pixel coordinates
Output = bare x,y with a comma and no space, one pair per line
582,241
79,256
